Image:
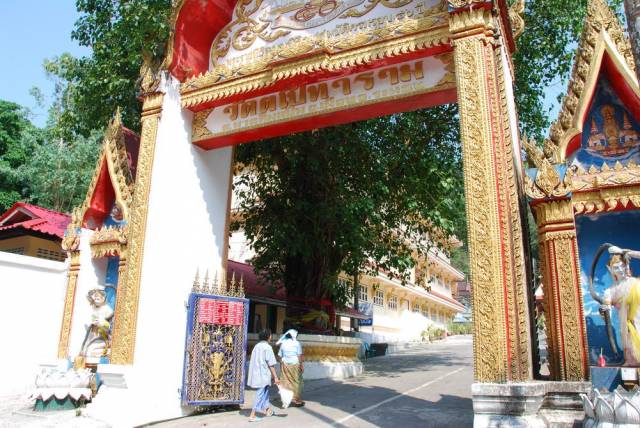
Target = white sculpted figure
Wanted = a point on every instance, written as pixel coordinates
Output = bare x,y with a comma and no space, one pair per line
98,337
624,295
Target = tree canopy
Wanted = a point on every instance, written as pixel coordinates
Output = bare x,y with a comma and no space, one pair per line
353,198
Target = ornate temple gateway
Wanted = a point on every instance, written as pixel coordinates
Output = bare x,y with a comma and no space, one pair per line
585,194
241,71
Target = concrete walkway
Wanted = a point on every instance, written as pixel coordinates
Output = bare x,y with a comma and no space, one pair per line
427,386
424,387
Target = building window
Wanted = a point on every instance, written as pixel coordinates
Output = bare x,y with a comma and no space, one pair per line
364,293
378,298
425,311
18,250
393,303
416,308
50,255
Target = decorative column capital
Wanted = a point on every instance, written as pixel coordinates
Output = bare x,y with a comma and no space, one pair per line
470,19
456,5
554,212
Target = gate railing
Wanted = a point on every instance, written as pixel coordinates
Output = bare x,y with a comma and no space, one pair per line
216,343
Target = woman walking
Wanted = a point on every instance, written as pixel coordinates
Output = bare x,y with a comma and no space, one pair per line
291,367
261,369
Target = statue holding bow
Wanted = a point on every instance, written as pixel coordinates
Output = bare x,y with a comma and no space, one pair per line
624,295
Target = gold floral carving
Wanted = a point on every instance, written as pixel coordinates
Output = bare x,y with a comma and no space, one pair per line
491,189
330,353
242,32
472,21
457,4
200,130
67,314
109,241
71,239
512,242
126,312
516,13
600,19
606,200
606,188
553,212
566,334
489,323
547,183
261,74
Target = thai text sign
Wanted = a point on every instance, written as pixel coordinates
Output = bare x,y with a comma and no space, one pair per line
385,84
212,311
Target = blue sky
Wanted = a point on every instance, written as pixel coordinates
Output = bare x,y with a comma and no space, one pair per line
31,31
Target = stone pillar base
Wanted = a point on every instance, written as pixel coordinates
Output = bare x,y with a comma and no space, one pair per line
529,404
129,398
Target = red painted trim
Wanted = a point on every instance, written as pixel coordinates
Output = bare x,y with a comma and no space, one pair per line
333,119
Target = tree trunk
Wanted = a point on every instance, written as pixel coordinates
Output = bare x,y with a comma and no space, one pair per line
632,8
356,300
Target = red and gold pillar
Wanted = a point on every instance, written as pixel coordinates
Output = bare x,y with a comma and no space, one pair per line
560,266
502,340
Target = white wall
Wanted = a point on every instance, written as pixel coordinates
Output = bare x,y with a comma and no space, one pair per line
31,303
185,231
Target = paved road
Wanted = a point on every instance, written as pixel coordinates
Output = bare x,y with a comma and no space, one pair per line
425,387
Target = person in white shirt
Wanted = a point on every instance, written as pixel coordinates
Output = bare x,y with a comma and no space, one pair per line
261,370
291,367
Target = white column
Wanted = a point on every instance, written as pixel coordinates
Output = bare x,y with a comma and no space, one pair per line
186,230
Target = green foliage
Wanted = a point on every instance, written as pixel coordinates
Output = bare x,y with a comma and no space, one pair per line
39,167
361,196
460,328
59,172
544,56
433,333
119,33
18,138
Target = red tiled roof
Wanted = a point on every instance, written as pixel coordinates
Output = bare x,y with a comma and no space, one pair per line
38,219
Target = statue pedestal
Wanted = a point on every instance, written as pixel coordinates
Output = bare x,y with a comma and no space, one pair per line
528,404
130,397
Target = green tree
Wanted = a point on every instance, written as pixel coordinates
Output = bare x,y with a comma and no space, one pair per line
544,57
119,33
59,171
358,197
18,139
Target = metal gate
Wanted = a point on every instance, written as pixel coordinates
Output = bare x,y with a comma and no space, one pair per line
216,344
